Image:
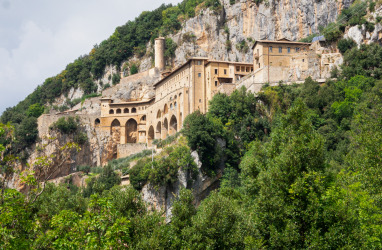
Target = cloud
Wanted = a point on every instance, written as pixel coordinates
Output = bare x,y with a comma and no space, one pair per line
39,38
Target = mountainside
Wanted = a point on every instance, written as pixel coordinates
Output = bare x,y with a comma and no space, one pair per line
294,166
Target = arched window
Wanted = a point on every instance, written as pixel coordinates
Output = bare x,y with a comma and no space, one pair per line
143,118
97,122
171,106
133,110
111,111
119,111
126,110
175,105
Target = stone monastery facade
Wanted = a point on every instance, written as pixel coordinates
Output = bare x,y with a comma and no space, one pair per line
192,85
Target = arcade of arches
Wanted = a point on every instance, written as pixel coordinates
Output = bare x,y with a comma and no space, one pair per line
181,92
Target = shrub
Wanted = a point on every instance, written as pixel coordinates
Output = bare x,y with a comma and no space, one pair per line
116,78
81,138
66,126
133,69
228,45
242,46
332,32
345,44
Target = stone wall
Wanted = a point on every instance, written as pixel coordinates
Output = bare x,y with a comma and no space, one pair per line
124,150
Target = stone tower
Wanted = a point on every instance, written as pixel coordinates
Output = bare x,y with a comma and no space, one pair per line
159,53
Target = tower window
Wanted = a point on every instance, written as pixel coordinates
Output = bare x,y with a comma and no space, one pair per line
225,72
216,71
216,83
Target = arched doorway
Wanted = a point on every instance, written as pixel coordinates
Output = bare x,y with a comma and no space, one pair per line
150,136
131,131
165,128
173,125
115,130
158,131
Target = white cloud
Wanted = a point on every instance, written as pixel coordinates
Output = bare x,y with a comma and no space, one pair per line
39,38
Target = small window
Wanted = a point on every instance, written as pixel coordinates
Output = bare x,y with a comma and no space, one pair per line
111,111
280,49
225,72
133,110
297,49
247,69
238,69
97,122
216,83
199,62
119,111
270,48
199,74
171,106
303,60
288,49
175,105
126,110
200,100
251,69
216,71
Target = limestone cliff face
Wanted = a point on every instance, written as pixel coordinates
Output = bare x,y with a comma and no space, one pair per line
217,35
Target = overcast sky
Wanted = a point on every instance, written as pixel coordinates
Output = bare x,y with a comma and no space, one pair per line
38,38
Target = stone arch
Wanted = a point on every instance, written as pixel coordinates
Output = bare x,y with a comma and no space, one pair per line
126,111
143,118
165,128
133,110
173,125
165,109
115,123
158,130
111,111
159,114
151,135
115,130
131,131
119,111
97,122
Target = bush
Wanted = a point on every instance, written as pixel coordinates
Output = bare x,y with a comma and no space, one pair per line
116,78
242,46
81,138
133,69
332,32
163,170
105,181
345,44
66,126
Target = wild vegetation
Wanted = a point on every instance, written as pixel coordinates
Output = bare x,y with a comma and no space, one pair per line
302,170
